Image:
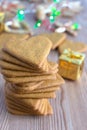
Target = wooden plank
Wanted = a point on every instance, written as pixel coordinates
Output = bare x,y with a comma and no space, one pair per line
70,105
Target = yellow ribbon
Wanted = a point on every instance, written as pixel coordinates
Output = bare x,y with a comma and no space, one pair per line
72,55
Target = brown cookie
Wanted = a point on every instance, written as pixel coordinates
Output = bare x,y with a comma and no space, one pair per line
7,57
34,51
33,96
46,108
26,91
13,73
11,66
20,112
49,89
48,67
52,65
49,109
49,83
24,79
7,65
74,46
18,73
5,37
13,105
56,38
31,86
25,103
28,108
12,60
42,106
41,85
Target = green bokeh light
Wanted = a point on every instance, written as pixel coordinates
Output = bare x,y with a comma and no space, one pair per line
20,15
56,1
38,24
75,26
58,13
55,12
52,19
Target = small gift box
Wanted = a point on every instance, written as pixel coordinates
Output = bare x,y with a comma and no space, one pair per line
71,64
2,17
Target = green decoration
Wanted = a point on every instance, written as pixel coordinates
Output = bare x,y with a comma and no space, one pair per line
20,15
54,14
56,1
52,18
58,13
37,24
75,26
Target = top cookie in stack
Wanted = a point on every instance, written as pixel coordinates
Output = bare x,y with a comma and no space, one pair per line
5,37
33,52
29,56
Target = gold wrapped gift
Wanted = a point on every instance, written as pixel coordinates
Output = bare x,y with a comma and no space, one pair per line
2,17
71,64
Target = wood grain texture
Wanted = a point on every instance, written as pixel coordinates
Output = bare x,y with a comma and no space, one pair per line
70,105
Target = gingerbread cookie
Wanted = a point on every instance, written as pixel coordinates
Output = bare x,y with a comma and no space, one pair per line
56,38
33,96
25,79
5,37
74,46
26,91
30,78
43,109
40,85
34,51
30,85
7,65
13,61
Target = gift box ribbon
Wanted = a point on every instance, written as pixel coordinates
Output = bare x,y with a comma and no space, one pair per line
72,55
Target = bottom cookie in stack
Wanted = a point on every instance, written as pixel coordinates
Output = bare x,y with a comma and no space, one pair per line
23,101
26,106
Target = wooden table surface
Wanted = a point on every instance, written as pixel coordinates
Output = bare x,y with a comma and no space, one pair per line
70,105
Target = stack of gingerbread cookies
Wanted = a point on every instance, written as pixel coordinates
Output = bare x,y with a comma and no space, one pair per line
30,78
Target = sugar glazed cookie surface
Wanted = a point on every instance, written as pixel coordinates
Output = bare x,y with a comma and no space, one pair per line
30,78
